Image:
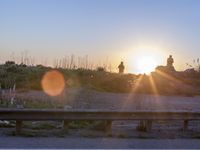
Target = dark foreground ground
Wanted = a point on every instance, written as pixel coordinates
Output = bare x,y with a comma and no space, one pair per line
166,135
98,143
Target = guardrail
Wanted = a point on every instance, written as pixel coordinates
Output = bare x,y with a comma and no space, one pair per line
21,115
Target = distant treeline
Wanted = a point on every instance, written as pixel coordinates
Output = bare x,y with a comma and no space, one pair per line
66,62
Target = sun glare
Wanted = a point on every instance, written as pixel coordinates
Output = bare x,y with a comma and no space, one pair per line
146,64
53,83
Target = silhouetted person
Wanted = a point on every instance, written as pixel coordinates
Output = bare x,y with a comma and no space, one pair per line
170,62
121,67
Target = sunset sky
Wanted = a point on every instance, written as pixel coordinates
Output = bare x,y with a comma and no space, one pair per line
105,30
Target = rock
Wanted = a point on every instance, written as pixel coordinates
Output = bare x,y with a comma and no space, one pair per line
4,122
20,106
67,107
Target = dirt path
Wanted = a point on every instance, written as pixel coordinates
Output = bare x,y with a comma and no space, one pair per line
88,99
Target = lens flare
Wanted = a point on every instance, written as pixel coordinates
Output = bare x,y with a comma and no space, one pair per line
53,83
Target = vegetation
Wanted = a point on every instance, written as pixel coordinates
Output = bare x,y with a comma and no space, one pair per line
29,78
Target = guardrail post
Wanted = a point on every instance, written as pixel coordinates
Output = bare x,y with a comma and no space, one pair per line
108,127
185,125
18,127
148,125
145,125
65,124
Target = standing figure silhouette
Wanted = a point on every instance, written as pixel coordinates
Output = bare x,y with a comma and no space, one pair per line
121,67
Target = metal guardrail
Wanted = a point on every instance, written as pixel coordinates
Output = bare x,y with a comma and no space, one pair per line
68,115
60,114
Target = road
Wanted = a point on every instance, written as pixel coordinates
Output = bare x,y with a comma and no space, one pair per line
96,143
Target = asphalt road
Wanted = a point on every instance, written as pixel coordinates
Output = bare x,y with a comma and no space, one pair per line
97,143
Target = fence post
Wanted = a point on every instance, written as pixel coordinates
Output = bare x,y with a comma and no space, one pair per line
18,127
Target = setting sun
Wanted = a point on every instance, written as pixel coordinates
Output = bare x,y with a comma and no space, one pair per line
146,64
144,59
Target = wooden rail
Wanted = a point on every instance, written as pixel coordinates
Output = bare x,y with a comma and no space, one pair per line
69,115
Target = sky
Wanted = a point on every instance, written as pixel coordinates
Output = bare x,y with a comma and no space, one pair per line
105,30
